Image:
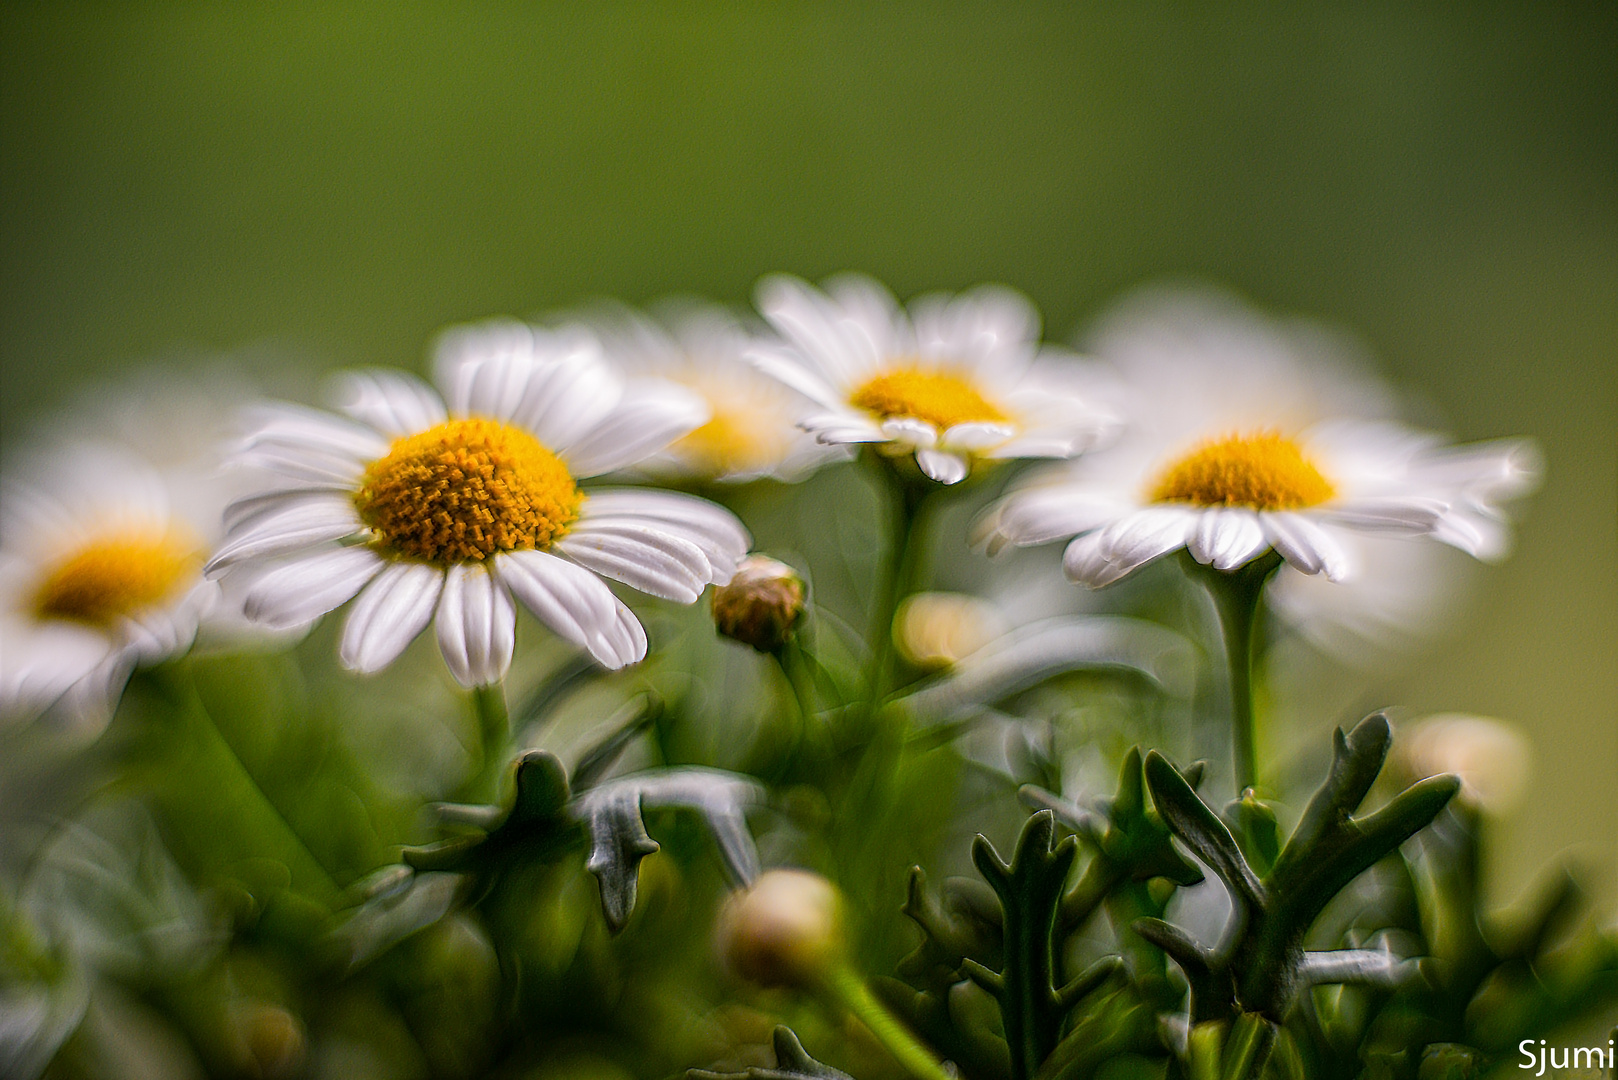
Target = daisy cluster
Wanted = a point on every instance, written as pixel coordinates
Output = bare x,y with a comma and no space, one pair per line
525,474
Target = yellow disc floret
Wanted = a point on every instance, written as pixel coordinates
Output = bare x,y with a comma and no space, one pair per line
938,397
466,490
114,576
1262,471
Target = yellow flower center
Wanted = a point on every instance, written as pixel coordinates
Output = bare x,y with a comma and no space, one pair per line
741,437
938,397
1262,471
115,576
465,490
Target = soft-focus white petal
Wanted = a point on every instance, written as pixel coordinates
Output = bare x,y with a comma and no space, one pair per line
288,524
575,604
1409,514
388,615
1146,534
1041,515
394,402
1226,538
477,625
1305,545
567,398
482,367
944,467
841,427
910,431
644,422
298,592
792,374
977,436
1085,563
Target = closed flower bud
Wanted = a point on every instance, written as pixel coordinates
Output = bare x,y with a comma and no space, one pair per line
273,1039
786,929
762,605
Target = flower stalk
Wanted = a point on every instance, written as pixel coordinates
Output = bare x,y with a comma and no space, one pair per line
1238,598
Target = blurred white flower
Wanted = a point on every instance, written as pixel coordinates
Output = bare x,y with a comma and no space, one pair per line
1247,434
936,630
101,552
752,431
461,511
1493,758
952,380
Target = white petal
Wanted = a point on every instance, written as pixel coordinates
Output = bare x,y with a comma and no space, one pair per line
293,427
1038,445
477,625
1144,535
841,427
845,338
482,367
394,402
1226,538
575,604
712,528
566,399
1086,563
1040,515
285,525
792,374
651,560
911,431
1305,545
644,423
299,592
943,467
1407,514
306,466
977,436
388,615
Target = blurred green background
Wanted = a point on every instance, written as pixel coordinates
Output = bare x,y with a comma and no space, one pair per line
330,183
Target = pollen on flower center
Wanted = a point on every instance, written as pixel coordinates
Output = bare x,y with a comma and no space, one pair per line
115,576
465,490
1262,471
938,397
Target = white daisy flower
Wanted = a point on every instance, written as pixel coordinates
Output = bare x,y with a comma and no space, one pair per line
453,513
1249,435
100,572
952,380
752,431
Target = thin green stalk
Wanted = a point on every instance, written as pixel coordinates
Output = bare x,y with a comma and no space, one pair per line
845,986
906,549
494,741
1238,596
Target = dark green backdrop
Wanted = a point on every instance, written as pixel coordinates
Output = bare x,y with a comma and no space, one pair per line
337,180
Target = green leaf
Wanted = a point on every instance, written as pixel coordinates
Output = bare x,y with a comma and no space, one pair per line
792,1062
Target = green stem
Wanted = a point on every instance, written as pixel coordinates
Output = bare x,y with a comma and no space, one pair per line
845,986
1238,596
910,502
494,739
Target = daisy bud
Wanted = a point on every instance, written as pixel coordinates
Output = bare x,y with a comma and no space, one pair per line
1491,757
762,605
273,1039
786,929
